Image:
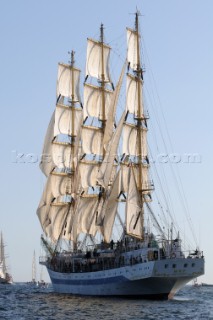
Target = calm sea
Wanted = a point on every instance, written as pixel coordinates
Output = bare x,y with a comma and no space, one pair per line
19,302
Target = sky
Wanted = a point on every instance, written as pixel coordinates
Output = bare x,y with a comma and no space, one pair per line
178,48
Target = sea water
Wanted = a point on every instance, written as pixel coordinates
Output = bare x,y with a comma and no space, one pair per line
21,301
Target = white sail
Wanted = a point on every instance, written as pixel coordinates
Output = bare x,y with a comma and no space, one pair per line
92,138
61,154
131,140
132,53
110,209
144,178
133,87
44,204
68,79
46,164
105,171
57,217
47,195
93,101
64,124
60,185
94,60
85,216
42,213
133,208
56,186
108,132
124,178
88,173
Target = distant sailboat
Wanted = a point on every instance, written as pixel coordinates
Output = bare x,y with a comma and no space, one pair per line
5,277
34,269
34,276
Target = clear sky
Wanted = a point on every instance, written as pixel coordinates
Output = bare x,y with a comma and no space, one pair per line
36,35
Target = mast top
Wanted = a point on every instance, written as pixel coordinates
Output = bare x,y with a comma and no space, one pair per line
137,14
72,58
102,33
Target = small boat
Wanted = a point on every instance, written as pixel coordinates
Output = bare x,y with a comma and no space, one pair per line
195,283
5,277
203,284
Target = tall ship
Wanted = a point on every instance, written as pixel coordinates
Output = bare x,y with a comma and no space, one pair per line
96,204
5,277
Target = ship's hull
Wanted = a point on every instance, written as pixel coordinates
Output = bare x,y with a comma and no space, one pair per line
155,279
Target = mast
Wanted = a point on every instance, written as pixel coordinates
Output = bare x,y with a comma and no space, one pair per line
135,141
102,191
99,101
139,73
72,106
102,75
139,115
72,134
